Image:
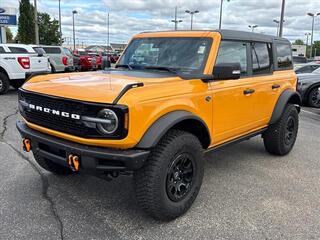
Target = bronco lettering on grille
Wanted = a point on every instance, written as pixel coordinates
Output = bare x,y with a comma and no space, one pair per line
54,112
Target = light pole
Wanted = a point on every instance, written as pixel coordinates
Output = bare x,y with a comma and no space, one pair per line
192,13
278,25
74,33
176,21
36,27
313,15
252,27
307,35
60,23
282,18
108,24
220,19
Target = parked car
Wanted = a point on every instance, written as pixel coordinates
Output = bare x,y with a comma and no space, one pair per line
96,60
61,58
85,62
307,68
155,117
18,62
309,88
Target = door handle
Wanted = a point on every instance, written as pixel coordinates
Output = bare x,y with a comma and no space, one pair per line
275,86
248,91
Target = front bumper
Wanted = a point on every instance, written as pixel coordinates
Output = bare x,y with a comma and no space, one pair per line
93,160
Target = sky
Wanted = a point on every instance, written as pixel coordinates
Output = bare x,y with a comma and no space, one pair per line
129,17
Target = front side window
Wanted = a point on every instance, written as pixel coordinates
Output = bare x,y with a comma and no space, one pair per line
233,52
284,56
261,58
187,54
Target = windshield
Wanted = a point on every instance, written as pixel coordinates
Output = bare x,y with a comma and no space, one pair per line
183,54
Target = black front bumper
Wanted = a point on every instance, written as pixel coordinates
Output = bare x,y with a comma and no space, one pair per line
92,159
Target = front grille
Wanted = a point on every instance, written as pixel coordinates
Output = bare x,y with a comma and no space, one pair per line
59,123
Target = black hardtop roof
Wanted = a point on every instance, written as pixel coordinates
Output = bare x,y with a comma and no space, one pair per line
249,36
239,35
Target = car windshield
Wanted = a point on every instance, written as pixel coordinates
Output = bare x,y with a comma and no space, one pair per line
187,55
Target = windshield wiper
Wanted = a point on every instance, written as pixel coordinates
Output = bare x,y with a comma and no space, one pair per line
168,69
124,66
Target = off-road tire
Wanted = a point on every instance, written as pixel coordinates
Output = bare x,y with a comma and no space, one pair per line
51,166
311,96
276,140
151,180
4,83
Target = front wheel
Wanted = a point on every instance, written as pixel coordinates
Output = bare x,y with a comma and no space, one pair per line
280,137
170,180
4,83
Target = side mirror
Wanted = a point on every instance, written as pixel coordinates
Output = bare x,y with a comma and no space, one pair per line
225,71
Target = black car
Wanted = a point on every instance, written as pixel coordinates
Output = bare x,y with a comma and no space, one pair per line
309,88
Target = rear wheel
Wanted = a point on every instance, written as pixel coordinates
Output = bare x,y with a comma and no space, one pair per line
171,178
280,137
51,166
314,97
4,83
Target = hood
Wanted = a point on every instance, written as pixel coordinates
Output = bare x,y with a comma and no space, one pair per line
101,87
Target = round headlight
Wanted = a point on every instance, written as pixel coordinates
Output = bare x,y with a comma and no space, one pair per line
111,122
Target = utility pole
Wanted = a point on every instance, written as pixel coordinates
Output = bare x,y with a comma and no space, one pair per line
307,42
36,27
220,19
176,21
282,18
191,14
60,23
313,15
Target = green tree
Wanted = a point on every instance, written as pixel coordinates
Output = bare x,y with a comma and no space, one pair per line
48,30
26,29
9,35
298,42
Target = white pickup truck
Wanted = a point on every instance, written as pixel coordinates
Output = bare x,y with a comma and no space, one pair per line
17,63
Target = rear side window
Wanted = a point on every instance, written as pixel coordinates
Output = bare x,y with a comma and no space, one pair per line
2,50
18,50
284,56
233,52
261,58
52,50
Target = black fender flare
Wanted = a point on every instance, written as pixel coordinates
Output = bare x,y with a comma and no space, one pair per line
287,96
161,126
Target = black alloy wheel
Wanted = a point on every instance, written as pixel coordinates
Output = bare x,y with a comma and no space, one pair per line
314,97
179,177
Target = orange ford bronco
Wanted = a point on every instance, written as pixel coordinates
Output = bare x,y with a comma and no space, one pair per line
171,97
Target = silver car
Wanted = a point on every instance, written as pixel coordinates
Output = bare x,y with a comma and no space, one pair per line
61,58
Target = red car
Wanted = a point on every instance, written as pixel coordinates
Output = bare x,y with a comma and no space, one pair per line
86,61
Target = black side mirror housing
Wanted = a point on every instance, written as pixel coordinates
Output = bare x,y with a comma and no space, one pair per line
226,71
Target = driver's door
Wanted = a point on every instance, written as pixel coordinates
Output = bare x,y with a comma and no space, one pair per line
233,100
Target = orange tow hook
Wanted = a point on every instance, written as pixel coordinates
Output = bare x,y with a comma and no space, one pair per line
26,144
73,162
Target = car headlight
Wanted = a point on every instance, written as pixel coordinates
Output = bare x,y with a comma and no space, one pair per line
110,121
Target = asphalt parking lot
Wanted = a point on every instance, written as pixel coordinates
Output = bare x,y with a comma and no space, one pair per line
246,194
